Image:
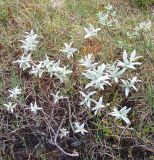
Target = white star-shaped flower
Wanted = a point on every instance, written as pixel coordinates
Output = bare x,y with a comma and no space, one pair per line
99,82
107,19
47,63
130,83
98,76
129,63
87,61
38,69
80,128
64,132
146,26
24,62
10,107
53,68
68,50
30,42
15,92
99,105
87,98
62,73
56,97
34,108
114,72
104,19
122,114
91,31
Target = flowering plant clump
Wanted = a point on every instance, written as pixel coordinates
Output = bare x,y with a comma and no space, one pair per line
80,128
68,51
15,92
95,80
107,18
56,97
87,100
30,42
129,64
24,62
10,107
91,31
99,75
98,105
33,108
37,69
87,61
122,114
127,84
64,132
143,26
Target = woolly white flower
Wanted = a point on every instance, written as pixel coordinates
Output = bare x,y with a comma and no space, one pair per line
34,108
91,31
98,105
24,62
56,97
99,77
15,92
103,19
144,26
64,132
95,72
114,72
129,63
107,19
10,107
87,99
80,128
87,61
47,63
62,73
30,42
52,67
122,114
99,82
127,84
68,50
37,70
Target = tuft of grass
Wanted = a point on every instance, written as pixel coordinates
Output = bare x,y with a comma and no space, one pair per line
150,96
4,17
143,3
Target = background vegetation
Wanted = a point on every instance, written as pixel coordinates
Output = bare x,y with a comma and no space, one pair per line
22,136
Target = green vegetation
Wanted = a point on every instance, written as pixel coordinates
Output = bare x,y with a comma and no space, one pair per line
29,135
143,3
